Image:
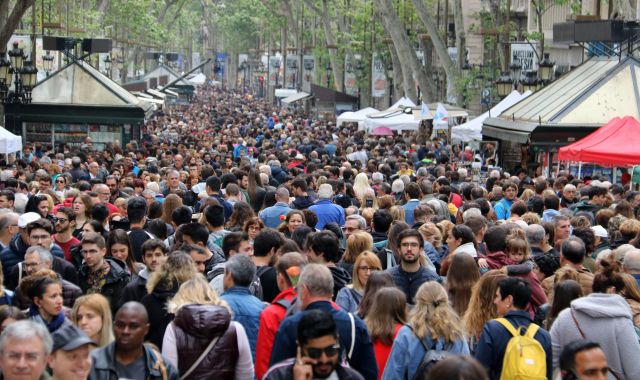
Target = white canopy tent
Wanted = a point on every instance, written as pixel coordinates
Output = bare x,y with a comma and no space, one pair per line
472,129
356,117
396,122
403,103
198,79
9,143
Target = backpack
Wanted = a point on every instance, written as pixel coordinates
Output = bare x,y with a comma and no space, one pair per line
255,288
432,356
524,357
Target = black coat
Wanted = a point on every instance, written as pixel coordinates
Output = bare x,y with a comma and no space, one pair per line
159,317
117,279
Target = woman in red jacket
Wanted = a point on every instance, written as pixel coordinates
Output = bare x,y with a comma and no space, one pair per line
387,315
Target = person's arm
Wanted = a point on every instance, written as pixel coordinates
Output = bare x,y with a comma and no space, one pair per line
244,366
344,300
266,335
556,342
363,359
485,349
169,349
629,355
285,342
398,360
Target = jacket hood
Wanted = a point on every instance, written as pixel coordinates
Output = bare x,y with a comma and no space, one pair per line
468,248
203,321
340,276
497,260
600,305
18,246
303,202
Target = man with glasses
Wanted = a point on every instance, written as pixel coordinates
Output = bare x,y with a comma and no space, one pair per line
24,349
318,352
104,197
502,208
352,224
410,274
99,274
35,259
65,224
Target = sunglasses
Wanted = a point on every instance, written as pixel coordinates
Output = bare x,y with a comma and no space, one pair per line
61,220
316,353
59,181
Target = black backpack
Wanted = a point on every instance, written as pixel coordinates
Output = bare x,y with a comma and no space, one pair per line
432,356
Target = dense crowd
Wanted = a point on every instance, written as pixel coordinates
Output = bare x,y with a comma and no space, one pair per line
241,241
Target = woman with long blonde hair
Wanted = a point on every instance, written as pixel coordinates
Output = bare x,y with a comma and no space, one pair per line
92,314
361,186
201,319
433,324
357,243
481,308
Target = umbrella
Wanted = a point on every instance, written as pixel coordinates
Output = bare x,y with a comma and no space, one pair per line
382,131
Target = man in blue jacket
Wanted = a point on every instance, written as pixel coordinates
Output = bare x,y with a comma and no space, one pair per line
315,289
271,215
512,297
239,272
325,209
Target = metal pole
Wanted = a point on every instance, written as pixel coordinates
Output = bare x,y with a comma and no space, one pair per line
579,169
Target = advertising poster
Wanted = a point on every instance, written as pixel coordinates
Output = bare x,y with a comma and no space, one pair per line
378,78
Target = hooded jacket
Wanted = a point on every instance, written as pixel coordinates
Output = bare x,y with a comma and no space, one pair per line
302,202
137,288
159,317
605,319
340,279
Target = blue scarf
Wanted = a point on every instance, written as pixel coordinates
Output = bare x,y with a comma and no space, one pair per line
52,326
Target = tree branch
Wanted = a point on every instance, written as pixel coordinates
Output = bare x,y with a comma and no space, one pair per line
12,21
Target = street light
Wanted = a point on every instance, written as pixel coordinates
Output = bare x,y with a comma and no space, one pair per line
466,67
516,69
390,77
276,65
47,62
546,69
107,64
293,65
23,75
504,85
328,68
530,81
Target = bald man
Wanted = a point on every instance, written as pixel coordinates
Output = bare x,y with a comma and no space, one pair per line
128,356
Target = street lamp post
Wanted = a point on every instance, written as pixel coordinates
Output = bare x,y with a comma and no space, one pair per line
546,69
359,72
530,81
516,70
19,72
107,65
47,62
390,77
294,68
504,85
276,65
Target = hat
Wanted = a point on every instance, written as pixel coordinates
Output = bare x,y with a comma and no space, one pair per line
69,337
299,156
598,230
27,218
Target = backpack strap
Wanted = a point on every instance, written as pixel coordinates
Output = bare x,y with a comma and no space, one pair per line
353,335
532,330
284,303
507,325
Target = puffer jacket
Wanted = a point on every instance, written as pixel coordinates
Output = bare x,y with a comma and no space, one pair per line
195,326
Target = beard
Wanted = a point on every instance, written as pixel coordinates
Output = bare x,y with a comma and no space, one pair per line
324,370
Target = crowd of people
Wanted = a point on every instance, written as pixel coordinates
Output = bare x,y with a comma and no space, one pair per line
236,240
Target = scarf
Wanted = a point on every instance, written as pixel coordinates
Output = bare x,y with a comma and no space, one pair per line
97,279
52,326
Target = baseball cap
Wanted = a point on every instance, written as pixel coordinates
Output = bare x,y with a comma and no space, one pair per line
598,230
27,218
69,337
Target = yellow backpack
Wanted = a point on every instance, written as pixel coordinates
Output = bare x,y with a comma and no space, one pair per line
524,357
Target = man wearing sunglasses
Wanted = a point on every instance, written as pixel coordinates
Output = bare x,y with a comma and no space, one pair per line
318,352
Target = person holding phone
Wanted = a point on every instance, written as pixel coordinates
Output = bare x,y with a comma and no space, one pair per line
318,354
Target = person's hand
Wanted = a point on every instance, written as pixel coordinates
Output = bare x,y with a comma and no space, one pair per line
302,369
482,263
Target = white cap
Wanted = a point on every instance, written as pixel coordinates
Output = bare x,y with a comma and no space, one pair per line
598,230
27,218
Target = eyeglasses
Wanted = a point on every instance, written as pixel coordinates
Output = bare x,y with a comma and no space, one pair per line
61,220
316,353
412,245
349,229
39,237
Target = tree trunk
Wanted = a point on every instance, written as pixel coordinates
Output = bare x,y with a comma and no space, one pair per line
494,6
407,56
440,47
9,24
460,33
333,53
401,83
624,9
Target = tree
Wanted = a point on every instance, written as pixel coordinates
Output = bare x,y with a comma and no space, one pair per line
9,20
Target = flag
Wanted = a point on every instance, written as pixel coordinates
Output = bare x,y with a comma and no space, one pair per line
424,112
441,113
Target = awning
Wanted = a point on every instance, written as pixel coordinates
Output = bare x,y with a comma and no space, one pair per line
296,97
285,92
148,100
507,130
156,93
171,92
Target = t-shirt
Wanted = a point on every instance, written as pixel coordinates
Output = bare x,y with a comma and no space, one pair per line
66,247
269,282
134,371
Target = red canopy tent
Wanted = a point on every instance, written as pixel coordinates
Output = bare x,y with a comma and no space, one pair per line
615,143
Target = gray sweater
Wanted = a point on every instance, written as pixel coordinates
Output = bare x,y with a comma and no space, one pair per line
605,319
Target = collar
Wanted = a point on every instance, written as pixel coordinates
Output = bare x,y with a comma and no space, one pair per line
281,204
519,314
285,294
319,305
238,290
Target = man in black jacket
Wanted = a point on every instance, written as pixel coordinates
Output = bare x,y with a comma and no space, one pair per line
99,274
324,248
154,253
